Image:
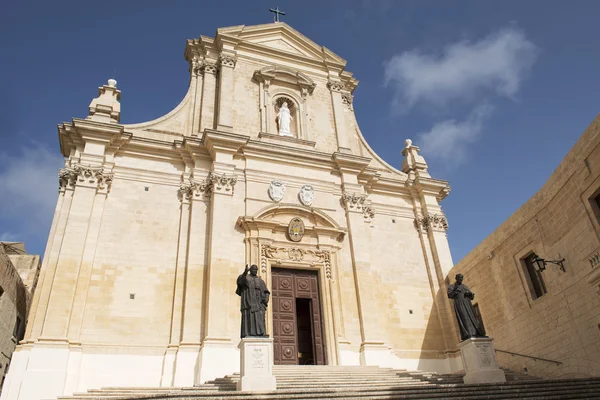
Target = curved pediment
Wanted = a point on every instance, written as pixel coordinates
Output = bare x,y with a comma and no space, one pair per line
283,213
276,73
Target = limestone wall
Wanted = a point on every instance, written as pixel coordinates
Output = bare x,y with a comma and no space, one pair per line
14,298
559,221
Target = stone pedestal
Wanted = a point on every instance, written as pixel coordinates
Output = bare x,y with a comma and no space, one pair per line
256,365
479,361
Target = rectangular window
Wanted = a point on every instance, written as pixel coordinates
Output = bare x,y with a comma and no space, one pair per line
477,313
535,279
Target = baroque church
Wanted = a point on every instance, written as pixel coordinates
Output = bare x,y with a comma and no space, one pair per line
262,163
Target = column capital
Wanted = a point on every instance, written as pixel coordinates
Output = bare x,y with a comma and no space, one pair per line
335,86
431,221
79,175
228,61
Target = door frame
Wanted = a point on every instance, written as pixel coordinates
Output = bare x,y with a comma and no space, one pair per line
325,294
321,312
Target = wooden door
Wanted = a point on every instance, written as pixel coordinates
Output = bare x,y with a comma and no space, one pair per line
293,289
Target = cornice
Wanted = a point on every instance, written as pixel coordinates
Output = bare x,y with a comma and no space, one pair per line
223,142
350,163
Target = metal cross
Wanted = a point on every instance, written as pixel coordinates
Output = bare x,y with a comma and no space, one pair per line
277,13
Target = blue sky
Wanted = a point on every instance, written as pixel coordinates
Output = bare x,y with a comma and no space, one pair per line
494,92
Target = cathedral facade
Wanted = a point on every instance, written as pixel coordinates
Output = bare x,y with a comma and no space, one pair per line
261,163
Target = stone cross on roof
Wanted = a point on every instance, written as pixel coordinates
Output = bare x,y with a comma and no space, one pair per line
277,13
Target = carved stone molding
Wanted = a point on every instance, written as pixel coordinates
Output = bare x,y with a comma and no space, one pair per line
210,68
313,257
188,190
353,200
222,182
359,202
228,61
335,86
435,222
196,65
347,99
69,177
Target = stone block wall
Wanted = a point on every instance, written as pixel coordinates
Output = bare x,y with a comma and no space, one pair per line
14,298
559,221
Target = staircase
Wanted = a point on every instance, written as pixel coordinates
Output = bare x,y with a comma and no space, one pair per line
345,382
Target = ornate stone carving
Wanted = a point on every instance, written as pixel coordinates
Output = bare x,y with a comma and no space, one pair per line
347,99
69,177
368,213
297,254
193,188
335,86
359,202
228,61
306,195
353,200
209,68
222,182
435,222
276,190
196,65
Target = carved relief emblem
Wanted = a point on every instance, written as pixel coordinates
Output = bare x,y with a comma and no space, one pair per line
276,190
306,195
296,229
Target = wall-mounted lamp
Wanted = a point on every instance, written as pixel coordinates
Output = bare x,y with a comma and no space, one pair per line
541,264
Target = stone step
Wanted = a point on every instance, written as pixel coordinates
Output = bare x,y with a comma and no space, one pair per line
542,389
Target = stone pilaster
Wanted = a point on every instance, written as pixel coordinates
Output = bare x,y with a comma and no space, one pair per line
196,82
225,119
431,225
358,211
336,88
217,340
209,71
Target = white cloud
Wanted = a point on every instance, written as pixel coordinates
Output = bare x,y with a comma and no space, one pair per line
462,71
447,140
29,183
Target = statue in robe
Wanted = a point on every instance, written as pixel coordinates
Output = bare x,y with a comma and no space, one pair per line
284,119
254,300
467,321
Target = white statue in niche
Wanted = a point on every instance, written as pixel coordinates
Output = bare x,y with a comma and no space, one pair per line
284,119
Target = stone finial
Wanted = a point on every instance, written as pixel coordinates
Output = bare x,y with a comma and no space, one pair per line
414,162
106,107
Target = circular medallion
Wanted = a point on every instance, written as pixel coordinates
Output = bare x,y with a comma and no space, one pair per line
286,328
296,229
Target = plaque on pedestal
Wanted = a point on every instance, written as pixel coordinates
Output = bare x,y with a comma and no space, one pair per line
479,361
256,365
